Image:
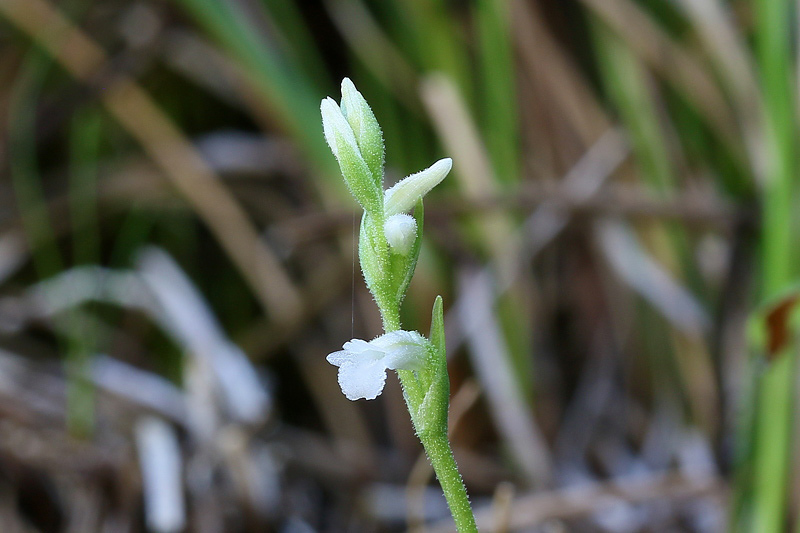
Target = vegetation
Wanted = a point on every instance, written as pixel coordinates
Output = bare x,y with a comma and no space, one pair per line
616,247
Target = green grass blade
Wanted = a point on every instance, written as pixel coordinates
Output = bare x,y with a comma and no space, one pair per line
497,81
84,147
25,176
288,92
774,417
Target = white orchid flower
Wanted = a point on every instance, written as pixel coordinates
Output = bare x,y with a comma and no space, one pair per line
362,365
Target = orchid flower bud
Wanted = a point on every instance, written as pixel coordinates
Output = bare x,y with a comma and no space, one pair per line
336,128
365,128
406,193
344,146
401,232
362,365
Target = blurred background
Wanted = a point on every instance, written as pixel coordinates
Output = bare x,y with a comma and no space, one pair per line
617,248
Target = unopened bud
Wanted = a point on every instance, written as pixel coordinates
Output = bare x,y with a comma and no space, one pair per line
343,144
336,128
404,196
401,232
365,128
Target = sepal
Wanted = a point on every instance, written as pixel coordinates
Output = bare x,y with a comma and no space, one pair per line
366,129
407,192
357,175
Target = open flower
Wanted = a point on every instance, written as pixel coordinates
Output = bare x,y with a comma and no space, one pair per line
362,365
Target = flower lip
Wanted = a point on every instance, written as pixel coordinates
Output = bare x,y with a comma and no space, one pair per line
362,365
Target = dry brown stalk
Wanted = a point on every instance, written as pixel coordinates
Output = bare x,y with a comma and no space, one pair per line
136,111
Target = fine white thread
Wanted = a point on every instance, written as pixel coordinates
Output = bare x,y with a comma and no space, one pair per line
353,284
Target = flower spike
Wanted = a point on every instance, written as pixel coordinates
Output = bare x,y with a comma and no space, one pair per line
336,127
389,245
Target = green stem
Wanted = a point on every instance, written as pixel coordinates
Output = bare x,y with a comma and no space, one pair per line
773,461
773,455
391,319
441,457
435,442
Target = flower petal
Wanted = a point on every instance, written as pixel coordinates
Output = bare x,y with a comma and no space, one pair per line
362,380
405,350
340,358
407,192
358,346
335,127
355,351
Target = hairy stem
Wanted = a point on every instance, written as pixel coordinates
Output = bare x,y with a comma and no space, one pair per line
435,442
391,319
441,457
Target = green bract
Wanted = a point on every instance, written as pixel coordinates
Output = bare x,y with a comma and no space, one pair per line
366,129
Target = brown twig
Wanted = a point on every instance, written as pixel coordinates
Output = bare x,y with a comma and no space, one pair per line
627,202
534,509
